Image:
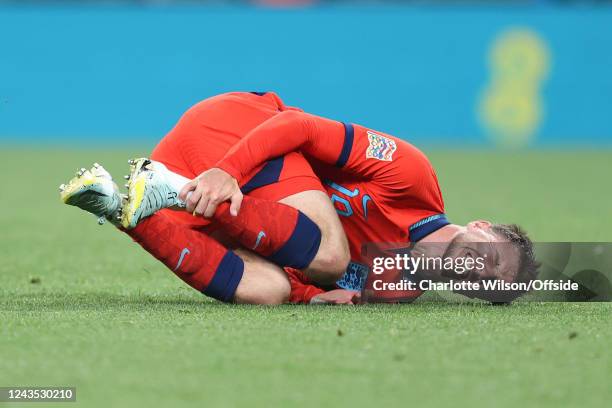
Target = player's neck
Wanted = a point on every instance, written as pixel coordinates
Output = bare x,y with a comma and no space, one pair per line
436,243
444,234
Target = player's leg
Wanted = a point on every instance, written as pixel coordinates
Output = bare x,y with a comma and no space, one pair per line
262,283
297,186
277,231
333,256
323,250
282,233
196,258
301,231
316,244
208,266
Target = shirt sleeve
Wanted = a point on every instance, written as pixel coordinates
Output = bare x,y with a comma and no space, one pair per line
301,289
373,156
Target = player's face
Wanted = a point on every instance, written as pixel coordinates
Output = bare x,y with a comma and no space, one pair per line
499,257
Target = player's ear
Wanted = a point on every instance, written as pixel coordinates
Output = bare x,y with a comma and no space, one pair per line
480,224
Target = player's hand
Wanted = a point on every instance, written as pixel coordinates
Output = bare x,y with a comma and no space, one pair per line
204,193
337,297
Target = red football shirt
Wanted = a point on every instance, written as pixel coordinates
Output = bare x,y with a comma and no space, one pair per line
383,188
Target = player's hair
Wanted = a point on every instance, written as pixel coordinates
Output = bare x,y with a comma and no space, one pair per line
528,265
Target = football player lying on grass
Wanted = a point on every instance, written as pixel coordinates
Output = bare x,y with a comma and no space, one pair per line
382,188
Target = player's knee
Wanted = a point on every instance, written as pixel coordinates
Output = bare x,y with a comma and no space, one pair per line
332,258
341,259
331,263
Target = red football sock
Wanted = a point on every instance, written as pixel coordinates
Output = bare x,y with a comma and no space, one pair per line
276,231
196,258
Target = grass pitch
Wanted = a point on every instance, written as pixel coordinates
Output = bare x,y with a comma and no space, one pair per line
81,305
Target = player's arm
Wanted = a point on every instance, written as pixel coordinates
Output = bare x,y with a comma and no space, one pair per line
390,163
289,131
369,155
285,132
303,292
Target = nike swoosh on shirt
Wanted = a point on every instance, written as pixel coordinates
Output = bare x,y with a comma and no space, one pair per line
184,253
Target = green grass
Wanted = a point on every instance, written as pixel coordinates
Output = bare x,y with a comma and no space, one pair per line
109,319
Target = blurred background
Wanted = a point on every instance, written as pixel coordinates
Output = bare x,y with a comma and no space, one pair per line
510,74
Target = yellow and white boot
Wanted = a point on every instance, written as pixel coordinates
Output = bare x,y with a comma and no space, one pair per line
151,187
94,191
